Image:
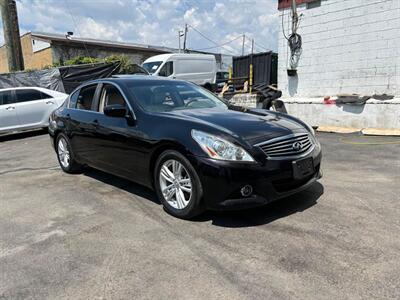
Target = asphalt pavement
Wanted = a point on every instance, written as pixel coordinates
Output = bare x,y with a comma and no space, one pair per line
95,236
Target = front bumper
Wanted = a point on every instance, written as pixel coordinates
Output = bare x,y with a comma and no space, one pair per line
272,180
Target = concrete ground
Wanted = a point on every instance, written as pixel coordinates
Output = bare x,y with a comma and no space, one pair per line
95,236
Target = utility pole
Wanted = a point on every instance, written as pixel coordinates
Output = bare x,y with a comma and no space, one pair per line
184,38
180,34
295,17
251,67
243,44
11,35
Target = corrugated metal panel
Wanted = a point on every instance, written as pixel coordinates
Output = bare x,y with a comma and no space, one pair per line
265,67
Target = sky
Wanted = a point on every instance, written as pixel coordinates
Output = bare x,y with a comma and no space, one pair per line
157,22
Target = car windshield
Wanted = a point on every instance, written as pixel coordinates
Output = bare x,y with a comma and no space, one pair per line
152,67
165,96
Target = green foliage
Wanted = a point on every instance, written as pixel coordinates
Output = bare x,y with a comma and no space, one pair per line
125,64
81,60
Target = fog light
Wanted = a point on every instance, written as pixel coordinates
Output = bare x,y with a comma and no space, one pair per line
246,191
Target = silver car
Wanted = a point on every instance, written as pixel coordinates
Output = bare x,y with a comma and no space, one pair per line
26,108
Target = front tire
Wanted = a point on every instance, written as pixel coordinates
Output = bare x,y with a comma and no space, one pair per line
178,186
66,157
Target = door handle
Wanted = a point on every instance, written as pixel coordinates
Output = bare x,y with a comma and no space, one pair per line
95,123
10,108
68,116
49,102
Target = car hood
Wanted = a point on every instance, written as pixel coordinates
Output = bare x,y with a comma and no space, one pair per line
252,125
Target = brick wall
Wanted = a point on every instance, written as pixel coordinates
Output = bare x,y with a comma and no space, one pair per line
349,46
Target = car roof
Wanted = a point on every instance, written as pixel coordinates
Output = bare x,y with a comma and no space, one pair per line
22,88
164,57
135,78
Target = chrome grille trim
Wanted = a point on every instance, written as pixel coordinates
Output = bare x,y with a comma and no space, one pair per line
282,147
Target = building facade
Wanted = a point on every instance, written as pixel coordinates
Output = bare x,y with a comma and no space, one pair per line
349,46
44,49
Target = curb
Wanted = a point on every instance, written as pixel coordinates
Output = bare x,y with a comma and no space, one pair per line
364,131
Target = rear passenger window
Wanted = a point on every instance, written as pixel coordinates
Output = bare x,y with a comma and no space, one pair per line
86,96
26,95
6,98
72,100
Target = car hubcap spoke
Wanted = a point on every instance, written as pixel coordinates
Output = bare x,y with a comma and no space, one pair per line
169,191
180,199
167,174
63,153
175,184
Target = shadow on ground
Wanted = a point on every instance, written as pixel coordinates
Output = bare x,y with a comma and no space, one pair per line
123,184
241,218
267,213
22,135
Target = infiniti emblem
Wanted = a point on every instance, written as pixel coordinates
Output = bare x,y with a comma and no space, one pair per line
297,146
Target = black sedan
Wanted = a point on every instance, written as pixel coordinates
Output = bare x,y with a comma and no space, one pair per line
193,149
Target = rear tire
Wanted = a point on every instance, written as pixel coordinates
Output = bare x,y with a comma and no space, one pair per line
65,155
178,186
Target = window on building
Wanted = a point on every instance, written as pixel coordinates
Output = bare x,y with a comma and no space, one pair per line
314,4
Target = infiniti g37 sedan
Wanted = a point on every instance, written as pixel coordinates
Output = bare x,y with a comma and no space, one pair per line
196,151
27,108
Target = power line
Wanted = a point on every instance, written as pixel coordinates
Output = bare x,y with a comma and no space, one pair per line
76,28
220,45
259,45
204,36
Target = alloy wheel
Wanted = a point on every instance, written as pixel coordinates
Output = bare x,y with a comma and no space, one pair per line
175,184
63,152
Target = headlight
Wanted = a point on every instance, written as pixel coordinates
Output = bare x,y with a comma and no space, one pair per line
221,149
310,129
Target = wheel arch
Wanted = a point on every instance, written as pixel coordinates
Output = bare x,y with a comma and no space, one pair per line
162,147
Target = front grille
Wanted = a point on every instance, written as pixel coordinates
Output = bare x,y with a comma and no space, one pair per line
288,145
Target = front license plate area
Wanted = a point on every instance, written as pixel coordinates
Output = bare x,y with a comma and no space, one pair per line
303,168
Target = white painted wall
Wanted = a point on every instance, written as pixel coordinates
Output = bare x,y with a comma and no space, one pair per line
374,114
38,45
349,46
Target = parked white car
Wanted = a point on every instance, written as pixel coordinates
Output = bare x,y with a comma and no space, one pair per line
200,69
26,108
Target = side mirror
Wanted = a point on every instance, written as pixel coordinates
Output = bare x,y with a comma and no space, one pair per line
115,110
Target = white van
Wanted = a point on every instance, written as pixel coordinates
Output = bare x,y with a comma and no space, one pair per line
197,68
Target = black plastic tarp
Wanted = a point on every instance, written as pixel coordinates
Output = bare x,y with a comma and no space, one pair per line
73,76
265,67
49,79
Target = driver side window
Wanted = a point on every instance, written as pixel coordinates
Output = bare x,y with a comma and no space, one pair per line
110,95
167,69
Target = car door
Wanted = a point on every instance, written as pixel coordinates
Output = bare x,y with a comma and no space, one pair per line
33,107
8,116
81,129
118,139
167,70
